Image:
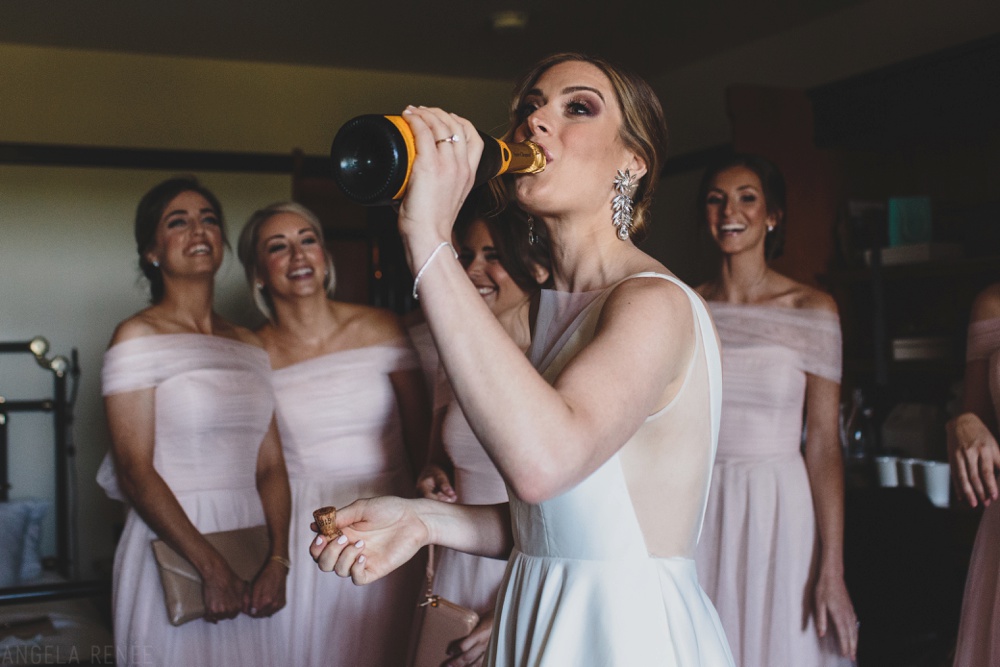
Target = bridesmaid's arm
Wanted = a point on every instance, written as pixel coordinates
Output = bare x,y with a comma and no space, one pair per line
434,481
268,591
972,435
825,466
131,424
414,413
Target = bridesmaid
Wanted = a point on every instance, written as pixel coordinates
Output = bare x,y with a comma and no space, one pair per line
190,411
352,413
771,553
508,271
975,461
420,336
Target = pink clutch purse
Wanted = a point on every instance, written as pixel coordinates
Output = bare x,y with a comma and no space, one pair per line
439,624
245,549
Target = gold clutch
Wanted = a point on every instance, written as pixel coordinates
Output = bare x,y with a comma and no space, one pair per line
440,623
245,549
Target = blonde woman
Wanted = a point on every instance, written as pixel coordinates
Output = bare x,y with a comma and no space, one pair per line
353,416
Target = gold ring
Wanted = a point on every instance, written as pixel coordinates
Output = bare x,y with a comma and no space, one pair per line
448,140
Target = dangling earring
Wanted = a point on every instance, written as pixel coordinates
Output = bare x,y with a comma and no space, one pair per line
532,237
621,205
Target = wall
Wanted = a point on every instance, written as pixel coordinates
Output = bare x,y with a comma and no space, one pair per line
67,260
64,96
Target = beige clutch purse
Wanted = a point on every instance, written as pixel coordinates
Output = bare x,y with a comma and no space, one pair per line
245,549
440,623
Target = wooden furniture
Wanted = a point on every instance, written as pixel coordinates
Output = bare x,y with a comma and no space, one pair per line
366,247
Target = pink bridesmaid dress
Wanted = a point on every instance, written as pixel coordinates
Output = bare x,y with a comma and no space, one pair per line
342,436
757,557
423,342
979,630
467,580
213,405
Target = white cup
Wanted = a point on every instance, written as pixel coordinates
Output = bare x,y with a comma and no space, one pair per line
904,469
885,466
934,479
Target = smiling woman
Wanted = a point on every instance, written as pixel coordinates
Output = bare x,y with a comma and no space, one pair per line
353,416
508,262
193,443
758,580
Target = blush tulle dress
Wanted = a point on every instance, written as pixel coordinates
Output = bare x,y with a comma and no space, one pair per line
423,343
342,436
979,628
213,405
581,587
757,557
468,580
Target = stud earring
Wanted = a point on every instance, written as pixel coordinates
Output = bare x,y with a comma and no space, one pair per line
770,228
259,286
156,264
532,237
621,205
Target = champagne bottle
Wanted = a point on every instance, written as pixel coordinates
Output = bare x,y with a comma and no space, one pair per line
373,155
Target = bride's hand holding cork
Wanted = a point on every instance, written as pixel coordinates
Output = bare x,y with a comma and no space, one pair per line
369,538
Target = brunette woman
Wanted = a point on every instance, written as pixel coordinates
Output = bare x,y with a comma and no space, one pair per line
190,411
771,554
508,270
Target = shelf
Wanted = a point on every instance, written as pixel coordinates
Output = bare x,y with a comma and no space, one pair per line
950,269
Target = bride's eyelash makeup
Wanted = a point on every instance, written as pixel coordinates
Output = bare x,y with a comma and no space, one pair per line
575,106
580,106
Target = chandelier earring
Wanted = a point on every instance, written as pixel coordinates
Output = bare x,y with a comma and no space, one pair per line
621,205
532,237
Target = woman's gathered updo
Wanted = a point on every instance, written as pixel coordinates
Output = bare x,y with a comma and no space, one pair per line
643,129
150,211
246,250
772,183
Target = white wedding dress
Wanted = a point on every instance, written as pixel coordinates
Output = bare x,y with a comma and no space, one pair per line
582,589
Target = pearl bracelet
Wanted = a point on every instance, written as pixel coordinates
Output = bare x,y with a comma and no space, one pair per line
420,273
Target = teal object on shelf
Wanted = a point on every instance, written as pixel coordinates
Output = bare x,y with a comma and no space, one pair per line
909,220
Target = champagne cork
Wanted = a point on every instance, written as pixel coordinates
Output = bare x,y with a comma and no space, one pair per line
326,521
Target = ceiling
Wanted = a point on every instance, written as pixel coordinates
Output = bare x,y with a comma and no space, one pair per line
445,37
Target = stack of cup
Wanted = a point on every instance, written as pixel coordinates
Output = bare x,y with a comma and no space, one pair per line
931,477
934,479
887,470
